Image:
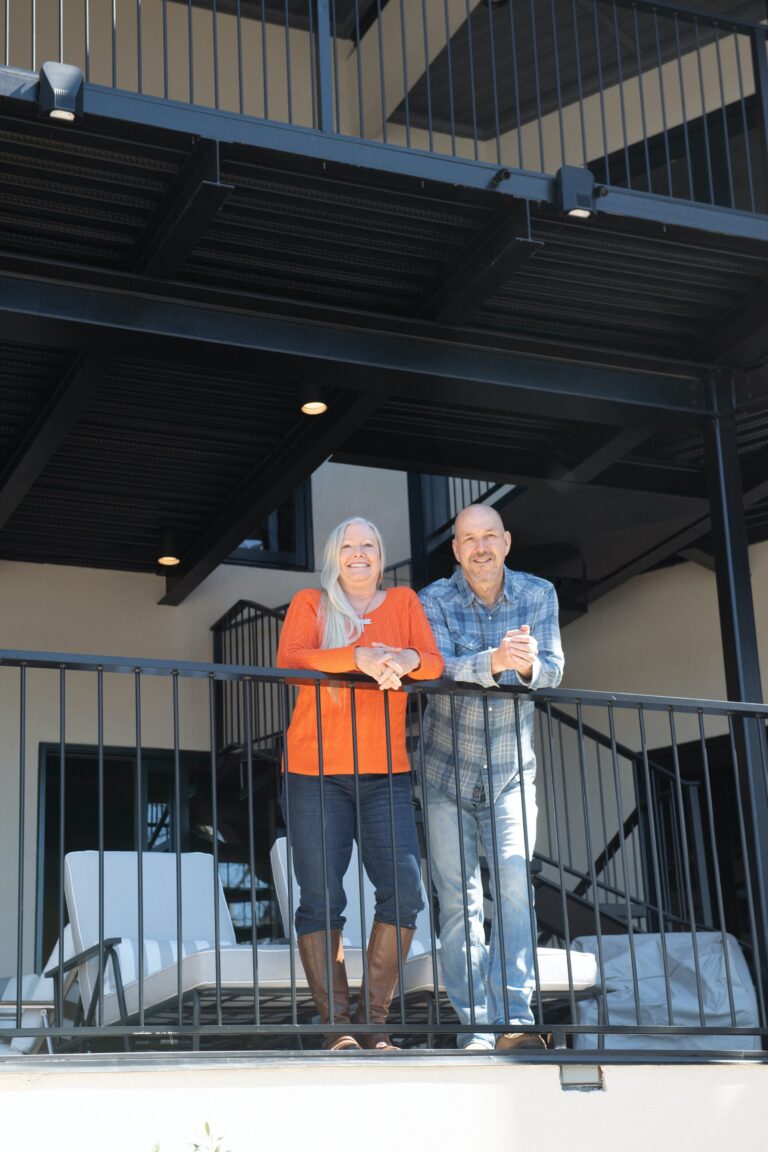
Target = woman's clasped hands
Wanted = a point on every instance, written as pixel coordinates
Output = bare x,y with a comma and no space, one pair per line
385,664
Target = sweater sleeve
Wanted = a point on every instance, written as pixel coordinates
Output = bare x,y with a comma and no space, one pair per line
421,639
299,640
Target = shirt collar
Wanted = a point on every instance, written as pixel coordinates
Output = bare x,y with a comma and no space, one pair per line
466,595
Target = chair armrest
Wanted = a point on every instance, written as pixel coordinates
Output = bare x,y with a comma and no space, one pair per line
74,961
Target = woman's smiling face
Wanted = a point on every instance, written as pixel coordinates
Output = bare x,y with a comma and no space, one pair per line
359,558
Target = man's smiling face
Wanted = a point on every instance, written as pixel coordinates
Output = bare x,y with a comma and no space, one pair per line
480,545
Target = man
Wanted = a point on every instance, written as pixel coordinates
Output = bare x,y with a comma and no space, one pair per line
492,626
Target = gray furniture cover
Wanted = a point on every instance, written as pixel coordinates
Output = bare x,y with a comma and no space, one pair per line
719,956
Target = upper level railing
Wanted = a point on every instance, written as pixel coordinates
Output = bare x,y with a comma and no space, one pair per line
199,890
653,96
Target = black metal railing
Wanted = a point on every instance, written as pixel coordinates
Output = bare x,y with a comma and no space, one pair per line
193,942
651,95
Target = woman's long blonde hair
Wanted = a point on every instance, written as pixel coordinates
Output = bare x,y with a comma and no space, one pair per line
341,624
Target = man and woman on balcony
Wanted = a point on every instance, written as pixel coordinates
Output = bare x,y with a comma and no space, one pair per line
485,625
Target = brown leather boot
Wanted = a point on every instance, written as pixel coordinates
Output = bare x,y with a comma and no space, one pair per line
313,957
382,981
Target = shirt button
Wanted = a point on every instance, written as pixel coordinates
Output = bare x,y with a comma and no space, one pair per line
490,707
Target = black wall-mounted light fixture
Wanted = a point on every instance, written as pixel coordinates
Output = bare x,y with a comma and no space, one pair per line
312,399
168,552
61,92
576,193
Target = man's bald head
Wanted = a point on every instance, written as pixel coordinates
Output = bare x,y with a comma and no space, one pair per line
477,515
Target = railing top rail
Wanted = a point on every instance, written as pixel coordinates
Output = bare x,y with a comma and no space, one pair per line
691,15
203,670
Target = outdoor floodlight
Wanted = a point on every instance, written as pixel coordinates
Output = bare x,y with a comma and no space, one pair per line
576,193
61,91
312,400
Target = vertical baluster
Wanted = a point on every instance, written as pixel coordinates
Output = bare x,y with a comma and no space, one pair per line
141,795
652,838
61,36
264,63
215,839
359,63
22,824
325,88
724,112
100,822
246,689
314,46
757,949
462,860
760,72
641,92
324,850
529,838
406,86
516,82
33,11
472,90
558,856
215,52
165,49
715,863
364,988
537,84
290,927
744,124
139,62
114,40
558,90
601,88
686,866
620,71
288,61
579,85
62,840
660,71
492,45
393,841
449,62
702,96
681,79
419,705
239,33
623,857
177,846
334,42
191,51
382,80
427,77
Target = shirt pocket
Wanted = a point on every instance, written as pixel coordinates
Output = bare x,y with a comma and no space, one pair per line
468,642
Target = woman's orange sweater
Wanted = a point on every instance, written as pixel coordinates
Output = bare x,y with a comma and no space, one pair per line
399,621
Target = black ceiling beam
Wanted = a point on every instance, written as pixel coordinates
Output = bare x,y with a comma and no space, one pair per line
610,452
274,479
448,371
152,112
412,452
185,213
745,328
755,487
47,428
488,261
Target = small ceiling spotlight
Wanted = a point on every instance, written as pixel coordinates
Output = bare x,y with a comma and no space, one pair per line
61,91
312,400
576,193
168,553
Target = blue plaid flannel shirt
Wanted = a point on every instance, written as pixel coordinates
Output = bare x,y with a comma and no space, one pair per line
466,630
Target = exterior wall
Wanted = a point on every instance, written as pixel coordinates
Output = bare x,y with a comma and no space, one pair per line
452,1105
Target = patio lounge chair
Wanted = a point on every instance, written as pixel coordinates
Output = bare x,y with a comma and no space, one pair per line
37,996
120,990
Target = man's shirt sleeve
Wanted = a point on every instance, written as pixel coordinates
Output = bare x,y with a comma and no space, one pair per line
548,665
470,667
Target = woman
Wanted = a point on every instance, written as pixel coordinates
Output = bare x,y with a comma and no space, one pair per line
354,626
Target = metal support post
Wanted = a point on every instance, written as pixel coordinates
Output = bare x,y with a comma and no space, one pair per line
323,53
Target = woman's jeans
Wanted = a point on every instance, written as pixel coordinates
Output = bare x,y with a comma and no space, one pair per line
478,990
394,870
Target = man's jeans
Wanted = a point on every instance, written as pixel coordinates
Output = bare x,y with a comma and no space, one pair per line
480,984
305,824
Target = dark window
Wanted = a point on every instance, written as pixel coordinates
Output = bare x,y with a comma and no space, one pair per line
284,538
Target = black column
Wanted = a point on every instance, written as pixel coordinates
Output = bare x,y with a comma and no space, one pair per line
729,537
740,654
418,526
